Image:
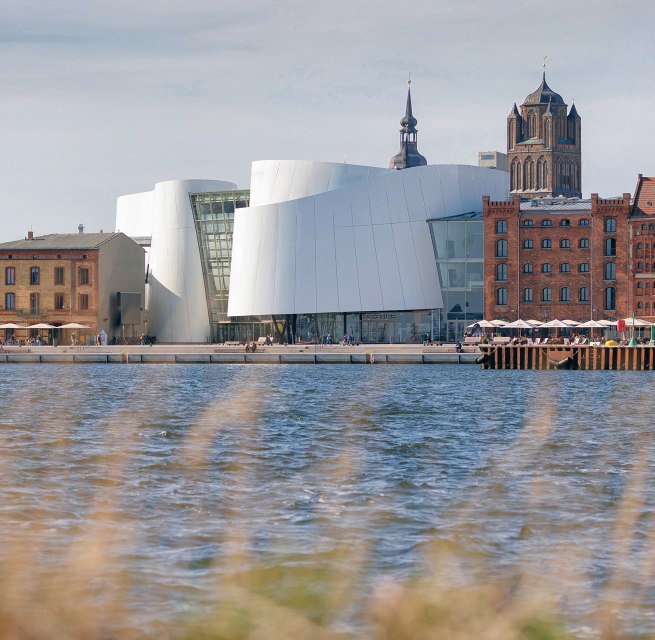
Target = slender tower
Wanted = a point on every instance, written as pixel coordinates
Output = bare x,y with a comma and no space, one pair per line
408,156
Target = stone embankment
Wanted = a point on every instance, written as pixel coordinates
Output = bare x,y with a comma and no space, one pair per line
226,354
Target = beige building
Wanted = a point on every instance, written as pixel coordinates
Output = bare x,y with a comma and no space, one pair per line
91,279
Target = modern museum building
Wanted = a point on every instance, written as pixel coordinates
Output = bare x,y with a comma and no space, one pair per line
316,249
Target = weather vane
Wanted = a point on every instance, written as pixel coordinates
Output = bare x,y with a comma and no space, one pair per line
544,65
409,78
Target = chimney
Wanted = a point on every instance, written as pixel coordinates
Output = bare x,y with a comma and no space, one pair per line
30,235
80,228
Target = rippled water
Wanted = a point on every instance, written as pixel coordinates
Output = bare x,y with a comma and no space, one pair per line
171,476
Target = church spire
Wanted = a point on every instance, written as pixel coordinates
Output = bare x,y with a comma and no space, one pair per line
408,156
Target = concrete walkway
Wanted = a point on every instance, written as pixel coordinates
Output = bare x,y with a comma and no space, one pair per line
226,354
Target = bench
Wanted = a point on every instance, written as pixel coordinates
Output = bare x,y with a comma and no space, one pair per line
472,340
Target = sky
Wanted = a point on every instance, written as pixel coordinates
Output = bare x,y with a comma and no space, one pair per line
103,99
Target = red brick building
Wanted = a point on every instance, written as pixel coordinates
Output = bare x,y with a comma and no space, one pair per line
559,258
641,294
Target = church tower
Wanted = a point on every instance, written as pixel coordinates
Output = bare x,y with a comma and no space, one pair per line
543,146
408,156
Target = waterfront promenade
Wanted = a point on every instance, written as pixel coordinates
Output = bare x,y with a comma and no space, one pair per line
233,354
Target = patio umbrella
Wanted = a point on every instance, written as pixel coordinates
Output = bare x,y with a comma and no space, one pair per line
554,324
483,324
608,323
519,324
42,325
637,322
571,323
534,323
498,323
593,324
12,325
73,325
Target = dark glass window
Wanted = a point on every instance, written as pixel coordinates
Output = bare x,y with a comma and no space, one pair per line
35,274
610,225
10,275
10,300
546,294
84,301
584,243
610,271
565,267
546,223
59,275
565,243
501,296
527,267
501,226
584,267
610,298
584,222
34,303
59,301
610,247
584,294
83,275
565,223
528,223
546,243
528,244
546,267
527,295
565,294
501,271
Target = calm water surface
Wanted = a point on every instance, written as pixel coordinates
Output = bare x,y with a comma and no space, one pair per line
190,473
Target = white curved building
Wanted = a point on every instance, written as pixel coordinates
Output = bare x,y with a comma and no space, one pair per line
335,238
163,221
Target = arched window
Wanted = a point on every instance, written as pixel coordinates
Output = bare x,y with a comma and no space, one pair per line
528,244
584,222
546,267
546,243
501,271
546,223
610,271
546,294
564,294
515,174
501,296
584,243
583,294
501,226
528,223
527,267
610,247
501,248
565,267
532,125
527,295
610,225
651,227
565,223
565,243
528,174
610,299
584,267
639,305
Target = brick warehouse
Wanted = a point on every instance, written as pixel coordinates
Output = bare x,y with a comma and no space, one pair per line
557,258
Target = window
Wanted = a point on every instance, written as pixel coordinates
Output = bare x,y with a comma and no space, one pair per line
34,303
546,294
34,275
565,267
584,222
584,243
651,227
565,243
59,301
501,226
584,294
546,223
84,275
565,294
546,244
640,285
528,223
59,275
546,267
640,266
610,225
527,295
639,305
527,267
528,244
84,301
501,271
10,275
610,247
501,296
610,271
10,301
640,245
584,267
610,298
565,223
643,227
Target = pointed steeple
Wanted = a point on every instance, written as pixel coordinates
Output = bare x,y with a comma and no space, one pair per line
408,156
573,113
514,113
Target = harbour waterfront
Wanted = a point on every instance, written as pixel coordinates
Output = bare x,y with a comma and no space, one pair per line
153,489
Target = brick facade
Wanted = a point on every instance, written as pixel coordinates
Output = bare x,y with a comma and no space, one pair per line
642,250
550,259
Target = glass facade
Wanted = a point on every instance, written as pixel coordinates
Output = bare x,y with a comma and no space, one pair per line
458,248
213,214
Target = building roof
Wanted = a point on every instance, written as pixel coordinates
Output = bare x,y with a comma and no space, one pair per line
555,205
644,204
60,241
543,95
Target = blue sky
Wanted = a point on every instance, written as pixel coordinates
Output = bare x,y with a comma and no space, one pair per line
101,99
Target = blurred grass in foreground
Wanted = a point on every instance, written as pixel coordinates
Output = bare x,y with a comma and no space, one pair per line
311,596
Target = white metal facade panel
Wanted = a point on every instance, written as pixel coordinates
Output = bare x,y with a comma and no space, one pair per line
413,194
390,283
327,293
425,254
359,205
370,292
432,190
378,202
269,244
347,277
285,265
396,196
341,207
408,266
305,267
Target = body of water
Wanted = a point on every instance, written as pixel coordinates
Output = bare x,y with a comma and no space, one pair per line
157,486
